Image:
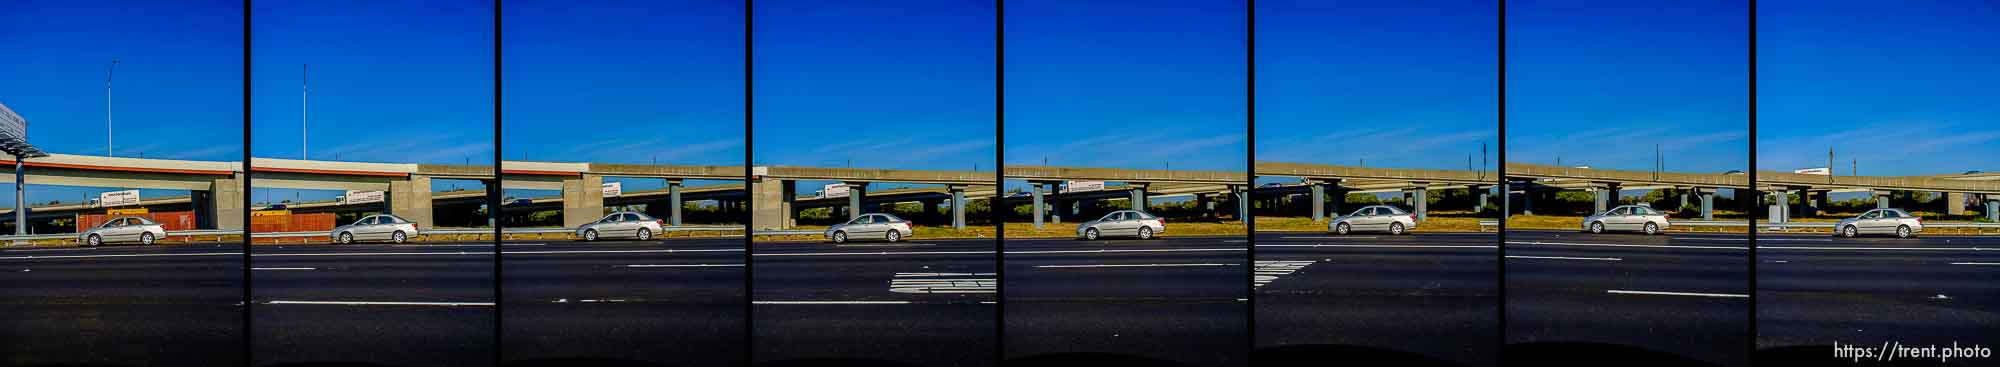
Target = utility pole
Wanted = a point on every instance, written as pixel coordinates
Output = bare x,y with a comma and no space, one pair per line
107,106
303,76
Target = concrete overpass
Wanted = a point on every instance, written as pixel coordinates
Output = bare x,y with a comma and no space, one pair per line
1414,183
216,188
1813,190
775,190
581,184
1138,184
1608,182
408,185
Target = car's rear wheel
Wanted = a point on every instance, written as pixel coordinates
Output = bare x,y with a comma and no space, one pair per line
1090,234
1596,227
398,237
146,238
1902,231
1342,229
840,237
893,236
590,235
645,234
1849,231
1652,228
1145,233
94,240
345,238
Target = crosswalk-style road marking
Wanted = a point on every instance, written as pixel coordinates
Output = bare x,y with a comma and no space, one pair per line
1269,271
942,283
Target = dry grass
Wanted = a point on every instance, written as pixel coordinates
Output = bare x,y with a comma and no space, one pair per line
1431,224
1174,229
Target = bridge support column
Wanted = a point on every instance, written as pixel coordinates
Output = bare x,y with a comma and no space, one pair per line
1606,196
1815,203
857,193
1707,203
1138,195
1480,205
1881,199
583,199
1242,203
1781,206
931,208
1057,207
674,200
1993,207
1954,203
224,203
411,199
1318,201
773,201
957,206
20,197
1422,203
1684,199
1528,200
1037,198
1506,201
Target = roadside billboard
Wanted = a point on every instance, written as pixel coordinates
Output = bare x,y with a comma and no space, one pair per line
362,197
118,198
613,189
835,190
1081,186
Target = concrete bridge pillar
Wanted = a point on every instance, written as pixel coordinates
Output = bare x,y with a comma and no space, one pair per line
1318,201
1781,206
1138,195
1882,199
957,206
1993,207
674,202
1055,202
583,199
225,202
411,199
1242,203
1707,203
1037,198
1422,203
856,197
1506,201
1528,200
1684,199
1606,196
1954,203
773,198
1479,205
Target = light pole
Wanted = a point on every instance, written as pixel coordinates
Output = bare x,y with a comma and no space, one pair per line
302,111
107,106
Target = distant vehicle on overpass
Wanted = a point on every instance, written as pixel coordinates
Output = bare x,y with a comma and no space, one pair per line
622,224
886,227
1123,223
123,229
1627,218
1881,221
376,227
1374,218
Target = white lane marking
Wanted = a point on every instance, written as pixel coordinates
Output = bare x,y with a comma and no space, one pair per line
829,302
1747,239
377,303
943,283
618,251
1621,245
1389,246
877,253
891,245
1977,263
1875,248
120,255
1269,271
1131,250
51,249
1564,258
460,253
284,268
1689,294
678,265
1134,265
1327,237
1780,261
566,300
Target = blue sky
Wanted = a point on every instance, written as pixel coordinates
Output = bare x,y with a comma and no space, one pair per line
904,84
1904,88
1127,83
177,91
1600,83
624,81
397,81
1394,84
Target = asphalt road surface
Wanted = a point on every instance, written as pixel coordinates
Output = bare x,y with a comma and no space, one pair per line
676,302
1681,294
1813,291
1432,294
1180,299
922,302
122,305
405,305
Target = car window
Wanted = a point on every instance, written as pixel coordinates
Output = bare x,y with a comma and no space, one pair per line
1642,211
391,219
1891,214
642,217
142,221
1390,210
1872,214
1621,211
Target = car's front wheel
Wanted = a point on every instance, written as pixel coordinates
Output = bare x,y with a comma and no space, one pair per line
1902,231
1090,234
840,237
1849,231
1145,233
345,238
1596,227
1652,228
146,238
94,240
590,235
1342,229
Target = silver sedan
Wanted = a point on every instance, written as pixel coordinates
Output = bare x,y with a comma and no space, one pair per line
1374,218
1123,223
376,227
883,226
1627,218
621,224
1881,221
123,229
